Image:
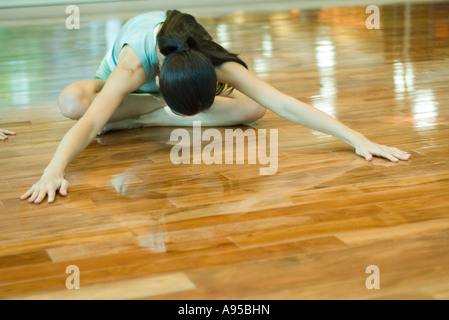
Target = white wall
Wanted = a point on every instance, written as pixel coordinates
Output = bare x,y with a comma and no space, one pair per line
184,3
33,3
15,12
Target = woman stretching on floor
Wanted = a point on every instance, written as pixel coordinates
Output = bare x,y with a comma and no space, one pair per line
171,54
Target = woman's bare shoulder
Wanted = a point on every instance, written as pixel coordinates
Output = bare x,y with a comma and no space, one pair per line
128,58
228,72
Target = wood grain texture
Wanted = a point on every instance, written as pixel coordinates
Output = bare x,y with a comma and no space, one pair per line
139,227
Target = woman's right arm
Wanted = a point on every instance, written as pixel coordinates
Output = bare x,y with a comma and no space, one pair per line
4,134
121,82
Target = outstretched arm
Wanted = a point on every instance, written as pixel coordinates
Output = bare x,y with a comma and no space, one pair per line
121,82
301,113
4,134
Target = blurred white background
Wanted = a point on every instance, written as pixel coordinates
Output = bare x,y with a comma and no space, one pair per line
25,12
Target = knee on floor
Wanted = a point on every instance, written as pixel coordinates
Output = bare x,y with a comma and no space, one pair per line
72,103
253,112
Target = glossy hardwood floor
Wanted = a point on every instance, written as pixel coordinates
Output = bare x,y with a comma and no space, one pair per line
139,227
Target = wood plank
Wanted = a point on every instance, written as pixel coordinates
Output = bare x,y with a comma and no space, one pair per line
123,290
408,231
409,263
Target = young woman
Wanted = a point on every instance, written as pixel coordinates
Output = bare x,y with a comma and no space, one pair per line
171,54
4,134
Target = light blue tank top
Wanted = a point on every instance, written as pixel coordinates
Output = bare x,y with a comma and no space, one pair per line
140,34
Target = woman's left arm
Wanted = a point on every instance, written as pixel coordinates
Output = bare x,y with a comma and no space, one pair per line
301,113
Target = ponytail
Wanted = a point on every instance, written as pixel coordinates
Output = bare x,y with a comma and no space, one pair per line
172,44
188,81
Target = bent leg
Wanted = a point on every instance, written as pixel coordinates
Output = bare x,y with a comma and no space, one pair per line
76,98
230,110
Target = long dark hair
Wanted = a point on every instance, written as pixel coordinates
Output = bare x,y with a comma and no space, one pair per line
188,81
